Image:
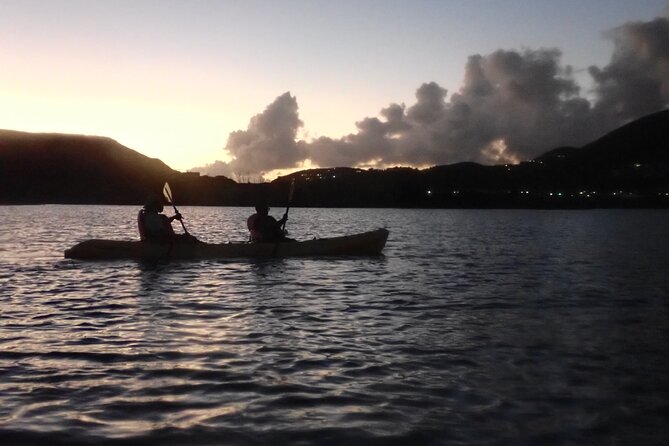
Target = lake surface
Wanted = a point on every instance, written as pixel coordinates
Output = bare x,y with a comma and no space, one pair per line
476,327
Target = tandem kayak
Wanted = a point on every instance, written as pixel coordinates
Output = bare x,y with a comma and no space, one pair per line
365,244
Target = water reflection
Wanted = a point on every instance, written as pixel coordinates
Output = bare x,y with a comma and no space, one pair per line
489,327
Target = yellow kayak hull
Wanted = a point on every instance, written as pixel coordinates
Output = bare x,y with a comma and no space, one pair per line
364,244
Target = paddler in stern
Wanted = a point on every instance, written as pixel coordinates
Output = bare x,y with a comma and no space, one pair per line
265,228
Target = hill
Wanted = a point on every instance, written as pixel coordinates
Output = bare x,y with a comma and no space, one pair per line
57,168
628,167
625,168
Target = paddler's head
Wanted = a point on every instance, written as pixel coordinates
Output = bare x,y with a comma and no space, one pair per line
154,204
262,208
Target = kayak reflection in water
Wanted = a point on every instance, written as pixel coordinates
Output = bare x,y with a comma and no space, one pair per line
265,228
153,226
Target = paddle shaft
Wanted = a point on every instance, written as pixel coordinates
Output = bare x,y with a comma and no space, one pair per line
167,192
291,192
180,221
285,215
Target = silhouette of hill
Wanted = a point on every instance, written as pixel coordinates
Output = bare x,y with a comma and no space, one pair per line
633,159
626,168
48,168
57,168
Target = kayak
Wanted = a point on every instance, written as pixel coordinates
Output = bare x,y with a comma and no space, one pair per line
364,244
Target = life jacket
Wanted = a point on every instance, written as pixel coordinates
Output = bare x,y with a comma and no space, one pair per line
140,225
255,232
264,228
159,228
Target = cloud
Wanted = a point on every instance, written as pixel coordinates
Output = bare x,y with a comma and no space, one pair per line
215,168
636,81
268,143
513,105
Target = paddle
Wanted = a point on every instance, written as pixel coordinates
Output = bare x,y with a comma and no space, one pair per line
167,192
291,192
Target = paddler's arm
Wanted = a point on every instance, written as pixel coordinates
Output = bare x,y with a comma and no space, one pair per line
283,220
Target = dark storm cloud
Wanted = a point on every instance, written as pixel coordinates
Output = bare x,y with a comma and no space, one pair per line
268,143
513,105
636,81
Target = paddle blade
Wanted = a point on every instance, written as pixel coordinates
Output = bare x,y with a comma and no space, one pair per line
167,192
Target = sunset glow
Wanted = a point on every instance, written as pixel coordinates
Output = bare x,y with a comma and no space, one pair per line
174,82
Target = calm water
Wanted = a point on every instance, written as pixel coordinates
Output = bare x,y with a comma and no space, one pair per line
476,327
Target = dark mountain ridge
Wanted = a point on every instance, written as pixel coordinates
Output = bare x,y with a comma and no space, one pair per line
56,168
71,169
625,168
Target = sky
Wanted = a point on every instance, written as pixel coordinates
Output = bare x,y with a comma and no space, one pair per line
253,89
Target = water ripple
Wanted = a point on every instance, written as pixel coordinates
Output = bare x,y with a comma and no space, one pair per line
507,328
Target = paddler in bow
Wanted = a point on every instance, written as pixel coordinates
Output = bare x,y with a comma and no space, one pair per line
154,226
